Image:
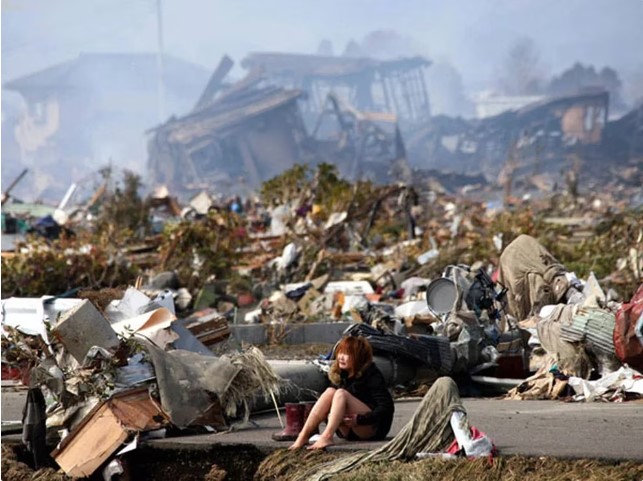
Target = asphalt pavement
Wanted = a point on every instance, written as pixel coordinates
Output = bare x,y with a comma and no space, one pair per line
532,428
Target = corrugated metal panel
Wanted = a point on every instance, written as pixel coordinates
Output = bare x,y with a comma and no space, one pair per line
593,326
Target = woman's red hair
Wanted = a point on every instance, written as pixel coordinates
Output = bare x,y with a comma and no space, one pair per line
360,352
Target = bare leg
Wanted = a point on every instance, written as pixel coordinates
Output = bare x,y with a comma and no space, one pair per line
318,413
343,403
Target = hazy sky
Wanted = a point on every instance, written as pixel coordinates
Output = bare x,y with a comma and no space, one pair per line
474,35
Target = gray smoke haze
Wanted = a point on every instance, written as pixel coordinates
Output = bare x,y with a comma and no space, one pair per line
468,40
474,35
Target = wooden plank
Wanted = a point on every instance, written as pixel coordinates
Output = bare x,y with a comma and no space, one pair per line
137,411
213,337
105,429
214,84
90,447
203,319
197,327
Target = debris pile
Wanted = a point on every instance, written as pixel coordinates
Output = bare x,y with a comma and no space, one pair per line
98,380
439,284
123,314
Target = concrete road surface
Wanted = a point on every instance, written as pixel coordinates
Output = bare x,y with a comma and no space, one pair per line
532,428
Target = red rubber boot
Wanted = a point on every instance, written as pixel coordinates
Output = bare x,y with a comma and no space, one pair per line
294,423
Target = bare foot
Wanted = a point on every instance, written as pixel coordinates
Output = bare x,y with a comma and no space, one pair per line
297,445
322,443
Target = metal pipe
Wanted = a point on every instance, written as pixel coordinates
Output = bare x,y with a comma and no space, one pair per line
305,381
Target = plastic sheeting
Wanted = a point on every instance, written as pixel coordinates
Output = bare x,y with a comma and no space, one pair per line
187,382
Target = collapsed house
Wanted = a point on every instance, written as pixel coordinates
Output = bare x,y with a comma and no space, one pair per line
534,139
396,86
253,134
91,109
354,112
250,131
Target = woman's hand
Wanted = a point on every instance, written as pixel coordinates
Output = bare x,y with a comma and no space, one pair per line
349,420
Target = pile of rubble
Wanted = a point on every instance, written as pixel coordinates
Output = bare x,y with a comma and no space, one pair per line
98,379
500,251
441,284
102,378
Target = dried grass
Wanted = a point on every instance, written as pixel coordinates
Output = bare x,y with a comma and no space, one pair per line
255,376
283,465
286,465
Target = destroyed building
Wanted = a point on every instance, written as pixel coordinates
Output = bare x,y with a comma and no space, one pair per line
243,133
537,137
93,109
244,136
397,86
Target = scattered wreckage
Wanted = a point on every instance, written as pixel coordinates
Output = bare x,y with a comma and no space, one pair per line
99,379
133,369
107,370
395,263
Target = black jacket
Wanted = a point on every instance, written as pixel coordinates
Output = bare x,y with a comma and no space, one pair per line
370,388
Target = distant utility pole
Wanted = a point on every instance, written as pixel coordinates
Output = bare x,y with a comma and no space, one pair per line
159,61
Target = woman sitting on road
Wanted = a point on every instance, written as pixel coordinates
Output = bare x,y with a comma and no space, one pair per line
357,406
